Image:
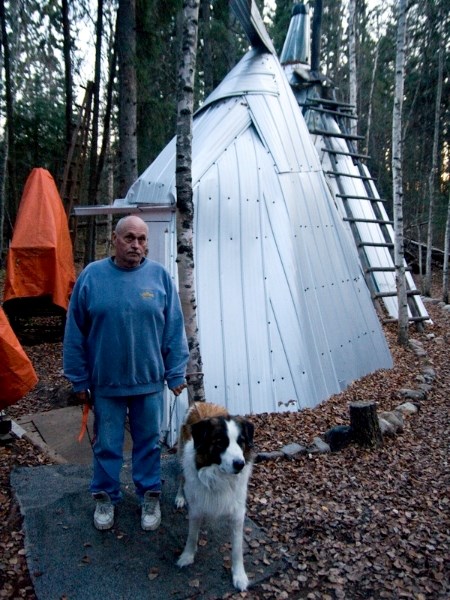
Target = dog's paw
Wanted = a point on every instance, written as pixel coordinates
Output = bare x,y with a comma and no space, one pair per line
187,558
240,580
180,501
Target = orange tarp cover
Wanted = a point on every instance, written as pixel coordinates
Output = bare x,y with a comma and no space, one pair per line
40,258
17,375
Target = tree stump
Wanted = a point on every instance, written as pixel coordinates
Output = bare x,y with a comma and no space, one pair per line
365,425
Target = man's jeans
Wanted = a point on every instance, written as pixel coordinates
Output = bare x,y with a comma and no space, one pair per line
145,413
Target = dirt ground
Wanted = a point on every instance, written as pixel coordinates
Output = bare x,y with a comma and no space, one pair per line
353,524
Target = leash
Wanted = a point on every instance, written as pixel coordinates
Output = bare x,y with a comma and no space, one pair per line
166,432
87,406
84,421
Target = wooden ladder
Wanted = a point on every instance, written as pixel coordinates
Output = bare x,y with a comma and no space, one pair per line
342,113
76,156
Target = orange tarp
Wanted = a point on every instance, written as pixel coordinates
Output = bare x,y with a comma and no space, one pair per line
17,376
40,258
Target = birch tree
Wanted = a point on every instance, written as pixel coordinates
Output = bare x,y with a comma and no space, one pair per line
353,86
185,205
397,174
434,168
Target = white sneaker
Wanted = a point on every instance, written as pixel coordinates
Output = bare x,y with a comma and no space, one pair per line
151,511
104,511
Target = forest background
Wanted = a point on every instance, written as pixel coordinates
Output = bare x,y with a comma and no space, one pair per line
121,56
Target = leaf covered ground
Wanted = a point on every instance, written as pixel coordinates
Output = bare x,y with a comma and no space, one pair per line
353,524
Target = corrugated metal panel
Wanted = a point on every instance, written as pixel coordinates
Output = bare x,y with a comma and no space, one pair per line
156,185
254,74
285,318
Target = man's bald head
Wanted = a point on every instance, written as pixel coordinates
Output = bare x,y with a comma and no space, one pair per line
130,239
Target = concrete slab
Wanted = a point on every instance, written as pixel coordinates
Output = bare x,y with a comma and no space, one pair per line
59,429
68,558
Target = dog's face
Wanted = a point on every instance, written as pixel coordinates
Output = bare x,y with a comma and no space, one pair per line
223,441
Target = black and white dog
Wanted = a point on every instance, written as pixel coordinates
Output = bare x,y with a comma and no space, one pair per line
215,451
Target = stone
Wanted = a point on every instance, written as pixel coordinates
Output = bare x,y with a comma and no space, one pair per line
408,408
292,449
319,446
338,437
262,456
429,374
417,395
426,387
386,428
395,418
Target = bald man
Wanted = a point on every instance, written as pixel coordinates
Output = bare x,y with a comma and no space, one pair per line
124,339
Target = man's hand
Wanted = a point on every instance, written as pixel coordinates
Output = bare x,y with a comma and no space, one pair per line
177,390
83,397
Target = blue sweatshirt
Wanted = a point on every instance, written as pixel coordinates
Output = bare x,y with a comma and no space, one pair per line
124,331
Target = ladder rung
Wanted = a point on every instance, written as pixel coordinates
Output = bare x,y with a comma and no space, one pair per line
377,244
346,196
352,154
383,269
392,294
327,111
345,136
329,102
380,270
357,220
412,319
340,174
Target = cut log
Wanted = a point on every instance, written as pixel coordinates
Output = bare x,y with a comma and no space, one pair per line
365,426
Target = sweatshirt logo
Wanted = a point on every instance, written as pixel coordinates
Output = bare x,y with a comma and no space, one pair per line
147,294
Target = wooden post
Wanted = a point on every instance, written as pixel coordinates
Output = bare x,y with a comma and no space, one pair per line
365,425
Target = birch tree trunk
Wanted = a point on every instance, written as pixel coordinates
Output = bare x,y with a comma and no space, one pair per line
397,174
372,87
434,167
353,86
185,205
126,52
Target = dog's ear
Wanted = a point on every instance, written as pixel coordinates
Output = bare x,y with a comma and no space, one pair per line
201,433
248,431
